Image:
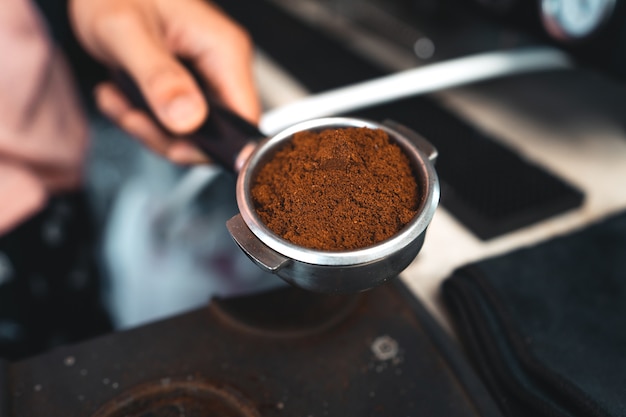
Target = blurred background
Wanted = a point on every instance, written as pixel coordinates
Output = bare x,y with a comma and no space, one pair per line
529,136
524,101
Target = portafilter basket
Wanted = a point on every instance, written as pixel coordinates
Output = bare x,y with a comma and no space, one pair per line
335,271
239,147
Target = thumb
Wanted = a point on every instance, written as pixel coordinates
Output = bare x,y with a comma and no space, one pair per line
173,95
170,91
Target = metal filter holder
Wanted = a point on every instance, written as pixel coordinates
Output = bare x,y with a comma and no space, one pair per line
336,271
241,148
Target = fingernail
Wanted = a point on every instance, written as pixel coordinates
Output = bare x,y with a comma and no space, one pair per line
184,112
183,153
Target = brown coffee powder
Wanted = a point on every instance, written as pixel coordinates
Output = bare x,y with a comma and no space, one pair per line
338,189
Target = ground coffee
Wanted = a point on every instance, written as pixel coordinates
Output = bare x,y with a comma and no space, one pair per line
338,189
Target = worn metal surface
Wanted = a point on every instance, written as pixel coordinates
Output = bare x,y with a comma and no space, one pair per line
187,397
286,353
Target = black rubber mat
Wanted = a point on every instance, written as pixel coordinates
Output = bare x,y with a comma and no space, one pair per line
485,185
544,325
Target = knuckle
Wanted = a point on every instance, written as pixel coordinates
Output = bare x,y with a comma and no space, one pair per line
115,20
237,36
243,38
241,45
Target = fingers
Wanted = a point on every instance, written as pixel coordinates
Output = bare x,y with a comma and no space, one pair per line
235,87
147,38
130,40
115,106
185,153
220,49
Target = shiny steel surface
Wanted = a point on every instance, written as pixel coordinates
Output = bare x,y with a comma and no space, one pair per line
336,271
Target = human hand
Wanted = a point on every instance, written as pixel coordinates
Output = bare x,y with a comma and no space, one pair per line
146,38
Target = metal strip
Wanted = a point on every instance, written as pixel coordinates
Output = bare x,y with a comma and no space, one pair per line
421,80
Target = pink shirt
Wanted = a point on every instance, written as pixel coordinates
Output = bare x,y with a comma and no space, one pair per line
43,133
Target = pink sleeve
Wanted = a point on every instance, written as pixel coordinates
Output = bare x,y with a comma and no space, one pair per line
43,134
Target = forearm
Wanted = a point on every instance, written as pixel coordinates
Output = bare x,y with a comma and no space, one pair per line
42,129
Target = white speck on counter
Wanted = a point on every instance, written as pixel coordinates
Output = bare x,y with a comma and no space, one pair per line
69,361
37,388
385,348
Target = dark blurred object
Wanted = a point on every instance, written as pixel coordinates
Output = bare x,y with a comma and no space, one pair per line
463,27
592,32
451,28
545,325
50,288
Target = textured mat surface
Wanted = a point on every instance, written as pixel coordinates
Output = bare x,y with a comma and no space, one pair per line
545,325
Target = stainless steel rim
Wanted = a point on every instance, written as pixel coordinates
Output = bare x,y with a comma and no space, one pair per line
410,233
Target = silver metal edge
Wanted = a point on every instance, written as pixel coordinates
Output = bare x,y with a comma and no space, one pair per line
383,249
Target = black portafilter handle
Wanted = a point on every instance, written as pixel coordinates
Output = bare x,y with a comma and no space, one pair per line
222,135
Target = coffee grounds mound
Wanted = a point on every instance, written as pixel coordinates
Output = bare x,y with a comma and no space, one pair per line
337,189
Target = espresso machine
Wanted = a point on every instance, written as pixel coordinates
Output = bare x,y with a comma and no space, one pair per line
387,351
